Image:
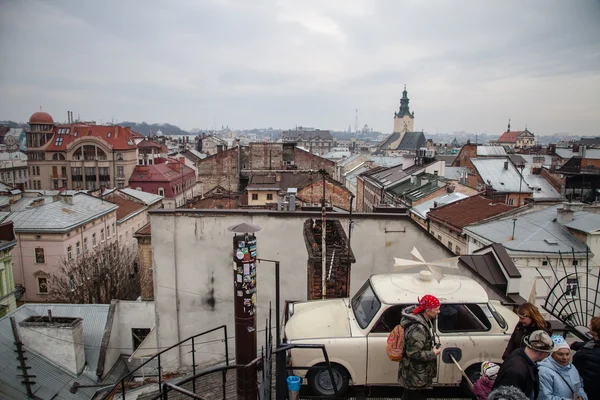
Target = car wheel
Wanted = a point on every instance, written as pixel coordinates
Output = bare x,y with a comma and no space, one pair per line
319,380
473,372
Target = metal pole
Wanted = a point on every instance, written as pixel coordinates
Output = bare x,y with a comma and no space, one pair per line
587,282
277,309
193,365
323,243
521,166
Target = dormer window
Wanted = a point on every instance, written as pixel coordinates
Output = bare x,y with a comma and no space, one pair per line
109,134
129,142
59,141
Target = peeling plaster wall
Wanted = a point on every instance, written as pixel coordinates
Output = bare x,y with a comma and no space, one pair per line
193,267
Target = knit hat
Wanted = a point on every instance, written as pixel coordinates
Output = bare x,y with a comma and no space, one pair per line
560,343
540,341
489,369
507,393
427,302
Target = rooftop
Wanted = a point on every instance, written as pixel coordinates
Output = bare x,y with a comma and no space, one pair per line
66,135
535,232
503,180
423,209
487,151
52,381
468,211
57,215
160,172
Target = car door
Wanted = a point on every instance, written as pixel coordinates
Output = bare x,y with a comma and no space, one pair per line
465,333
380,369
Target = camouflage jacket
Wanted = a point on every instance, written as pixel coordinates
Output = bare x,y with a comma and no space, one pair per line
419,363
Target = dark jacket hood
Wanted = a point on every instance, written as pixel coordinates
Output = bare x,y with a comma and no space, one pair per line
409,318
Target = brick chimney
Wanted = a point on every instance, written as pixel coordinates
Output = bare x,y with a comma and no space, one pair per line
182,160
60,339
565,214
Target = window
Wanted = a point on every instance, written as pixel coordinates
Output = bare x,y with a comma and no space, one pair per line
39,255
511,202
85,247
59,141
78,248
440,238
365,305
575,262
462,318
161,191
572,287
120,172
457,250
138,335
94,239
545,262
42,285
120,157
450,245
389,319
102,235
72,282
113,228
269,196
254,196
69,253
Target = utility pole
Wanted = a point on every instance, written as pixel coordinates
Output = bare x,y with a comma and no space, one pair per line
323,241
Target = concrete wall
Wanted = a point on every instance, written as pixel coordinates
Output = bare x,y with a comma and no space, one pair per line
192,263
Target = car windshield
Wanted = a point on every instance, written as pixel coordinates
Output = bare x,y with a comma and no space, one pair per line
365,305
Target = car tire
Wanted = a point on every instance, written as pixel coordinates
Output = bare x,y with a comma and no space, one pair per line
473,372
319,381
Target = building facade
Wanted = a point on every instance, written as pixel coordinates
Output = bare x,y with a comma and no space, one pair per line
8,294
404,120
13,169
78,155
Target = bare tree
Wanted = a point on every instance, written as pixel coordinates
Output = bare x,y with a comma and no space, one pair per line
97,277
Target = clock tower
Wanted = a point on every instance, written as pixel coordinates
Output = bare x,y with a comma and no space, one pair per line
404,119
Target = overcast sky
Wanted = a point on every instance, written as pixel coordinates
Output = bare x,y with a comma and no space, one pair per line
468,65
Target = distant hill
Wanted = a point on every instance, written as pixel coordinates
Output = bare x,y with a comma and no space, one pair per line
145,128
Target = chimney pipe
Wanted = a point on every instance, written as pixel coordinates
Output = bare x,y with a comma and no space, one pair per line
506,165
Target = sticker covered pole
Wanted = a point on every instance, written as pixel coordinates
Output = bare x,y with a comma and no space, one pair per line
244,285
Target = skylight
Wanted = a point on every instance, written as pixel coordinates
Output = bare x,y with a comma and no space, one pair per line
59,141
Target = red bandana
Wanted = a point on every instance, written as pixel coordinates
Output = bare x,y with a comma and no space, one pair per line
427,302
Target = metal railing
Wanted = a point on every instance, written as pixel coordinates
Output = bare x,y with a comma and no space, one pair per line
128,377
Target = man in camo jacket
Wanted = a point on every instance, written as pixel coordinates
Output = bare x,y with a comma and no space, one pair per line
419,360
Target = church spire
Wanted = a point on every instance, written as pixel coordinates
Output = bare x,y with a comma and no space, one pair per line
404,109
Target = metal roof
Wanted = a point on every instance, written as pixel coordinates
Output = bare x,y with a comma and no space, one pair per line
534,232
585,222
502,180
565,153
51,379
59,216
455,173
346,161
145,197
484,151
542,189
422,209
387,161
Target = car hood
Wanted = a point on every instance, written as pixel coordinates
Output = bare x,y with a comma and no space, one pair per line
319,319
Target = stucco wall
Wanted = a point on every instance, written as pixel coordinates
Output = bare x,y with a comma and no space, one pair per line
193,266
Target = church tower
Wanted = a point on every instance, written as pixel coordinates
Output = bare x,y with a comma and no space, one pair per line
404,120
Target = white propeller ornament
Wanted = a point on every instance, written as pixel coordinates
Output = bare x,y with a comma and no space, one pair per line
433,266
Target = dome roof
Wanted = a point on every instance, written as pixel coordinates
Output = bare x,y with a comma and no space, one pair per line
41,117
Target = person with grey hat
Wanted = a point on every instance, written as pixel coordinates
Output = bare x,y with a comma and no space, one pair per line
520,368
506,393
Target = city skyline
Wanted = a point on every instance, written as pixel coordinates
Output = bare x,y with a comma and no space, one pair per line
282,64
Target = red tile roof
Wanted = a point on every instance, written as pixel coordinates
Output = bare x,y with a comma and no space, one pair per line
41,117
160,173
118,137
468,211
509,137
126,207
147,144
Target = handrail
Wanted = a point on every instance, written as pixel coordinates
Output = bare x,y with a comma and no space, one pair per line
207,372
157,355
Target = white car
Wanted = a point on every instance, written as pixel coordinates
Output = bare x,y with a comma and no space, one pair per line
354,331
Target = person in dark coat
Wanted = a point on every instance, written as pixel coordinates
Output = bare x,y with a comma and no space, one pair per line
418,367
530,320
587,360
520,369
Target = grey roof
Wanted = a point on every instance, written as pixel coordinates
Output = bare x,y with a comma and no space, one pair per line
535,232
447,158
337,155
146,198
352,177
59,216
410,141
5,156
302,134
454,173
565,153
422,209
8,189
502,180
52,380
386,161
346,161
484,151
585,222
529,158
542,189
